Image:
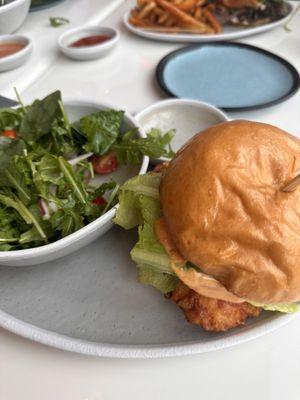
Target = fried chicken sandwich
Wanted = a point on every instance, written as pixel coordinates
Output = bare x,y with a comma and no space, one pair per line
249,13
219,234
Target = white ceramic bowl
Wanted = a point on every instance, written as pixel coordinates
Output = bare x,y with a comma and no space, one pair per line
17,59
89,52
18,258
187,117
12,15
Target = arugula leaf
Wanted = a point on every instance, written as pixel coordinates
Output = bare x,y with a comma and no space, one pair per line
12,169
10,119
13,202
8,232
32,235
49,170
74,182
40,116
8,148
102,189
67,219
130,149
58,21
101,130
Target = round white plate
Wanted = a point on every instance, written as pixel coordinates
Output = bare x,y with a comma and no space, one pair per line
229,32
90,302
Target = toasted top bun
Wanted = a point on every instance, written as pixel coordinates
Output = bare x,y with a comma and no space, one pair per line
240,3
225,212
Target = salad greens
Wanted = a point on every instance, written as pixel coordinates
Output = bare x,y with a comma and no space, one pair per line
140,206
47,189
58,21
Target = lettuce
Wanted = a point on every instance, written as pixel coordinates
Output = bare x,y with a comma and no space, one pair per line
287,308
140,206
129,214
163,282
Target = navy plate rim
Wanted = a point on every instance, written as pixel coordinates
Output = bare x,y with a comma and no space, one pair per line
159,73
41,7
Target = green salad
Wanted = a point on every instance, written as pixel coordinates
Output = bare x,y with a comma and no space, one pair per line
47,166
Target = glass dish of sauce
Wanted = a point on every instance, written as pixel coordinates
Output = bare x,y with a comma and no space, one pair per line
90,41
9,48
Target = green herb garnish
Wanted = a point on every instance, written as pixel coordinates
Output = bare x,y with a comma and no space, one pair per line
58,21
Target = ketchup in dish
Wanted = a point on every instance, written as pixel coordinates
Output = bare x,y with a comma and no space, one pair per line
9,48
90,41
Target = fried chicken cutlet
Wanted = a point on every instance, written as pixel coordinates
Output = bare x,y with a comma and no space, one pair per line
212,314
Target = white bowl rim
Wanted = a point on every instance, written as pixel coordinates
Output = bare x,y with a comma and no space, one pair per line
16,38
46,249
115,36
159,105
12,5
182,101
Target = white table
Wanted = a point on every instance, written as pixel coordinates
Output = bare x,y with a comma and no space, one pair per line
266,368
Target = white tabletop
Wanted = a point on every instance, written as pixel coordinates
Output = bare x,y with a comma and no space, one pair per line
266,368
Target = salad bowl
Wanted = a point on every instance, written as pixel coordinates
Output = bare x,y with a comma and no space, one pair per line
73,242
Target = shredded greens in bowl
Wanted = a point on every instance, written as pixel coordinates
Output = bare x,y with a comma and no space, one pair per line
47,166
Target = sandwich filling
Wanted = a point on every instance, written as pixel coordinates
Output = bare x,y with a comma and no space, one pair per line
158,261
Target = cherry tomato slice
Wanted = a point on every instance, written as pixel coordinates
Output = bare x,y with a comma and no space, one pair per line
9,133
105,164
99,201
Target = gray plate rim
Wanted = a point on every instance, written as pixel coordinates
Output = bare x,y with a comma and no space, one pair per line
67,343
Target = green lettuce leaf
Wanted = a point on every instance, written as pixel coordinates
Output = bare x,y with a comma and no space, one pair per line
139,205
10,119
8,149
288,308
130,149
40,116
163,282
101,130
30,217
129,212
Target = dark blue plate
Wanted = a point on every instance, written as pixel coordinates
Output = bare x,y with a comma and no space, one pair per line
42,4
232,76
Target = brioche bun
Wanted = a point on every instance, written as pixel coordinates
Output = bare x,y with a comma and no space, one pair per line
225,212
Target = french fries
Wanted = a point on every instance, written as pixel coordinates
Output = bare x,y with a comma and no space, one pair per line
175,16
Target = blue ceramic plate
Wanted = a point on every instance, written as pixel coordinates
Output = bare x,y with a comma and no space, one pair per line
42,4
232,76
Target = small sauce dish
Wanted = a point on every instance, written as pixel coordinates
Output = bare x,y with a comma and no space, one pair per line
14,51
187,117
88,43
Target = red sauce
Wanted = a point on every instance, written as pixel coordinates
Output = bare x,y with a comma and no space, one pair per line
9,48
90,41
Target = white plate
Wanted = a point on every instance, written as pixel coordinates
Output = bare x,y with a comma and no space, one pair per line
229,32
90,302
